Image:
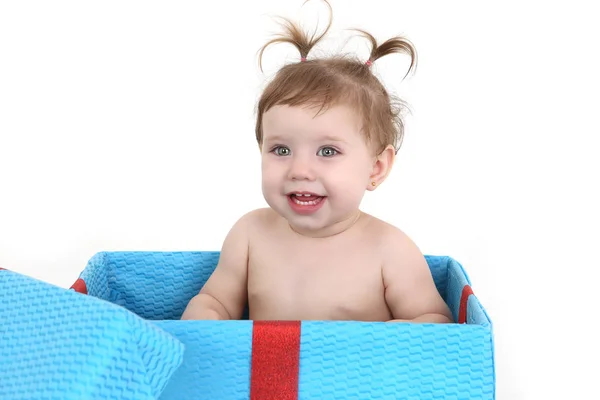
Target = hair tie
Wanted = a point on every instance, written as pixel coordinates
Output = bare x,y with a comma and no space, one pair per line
369,63
303,59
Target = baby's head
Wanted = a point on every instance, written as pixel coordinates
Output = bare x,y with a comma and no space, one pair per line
327,127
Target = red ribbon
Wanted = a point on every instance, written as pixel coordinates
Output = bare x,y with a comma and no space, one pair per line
275,360
464,299
79,286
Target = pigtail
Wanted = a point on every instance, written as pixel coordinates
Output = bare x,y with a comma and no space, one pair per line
295,36
396,44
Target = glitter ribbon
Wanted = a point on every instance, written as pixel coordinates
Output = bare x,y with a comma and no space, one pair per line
275,360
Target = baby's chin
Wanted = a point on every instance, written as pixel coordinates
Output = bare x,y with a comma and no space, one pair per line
311,225
319,228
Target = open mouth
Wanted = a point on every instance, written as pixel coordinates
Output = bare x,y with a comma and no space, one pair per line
305,202
305,199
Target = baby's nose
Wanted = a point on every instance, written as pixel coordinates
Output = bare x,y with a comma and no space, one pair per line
301,169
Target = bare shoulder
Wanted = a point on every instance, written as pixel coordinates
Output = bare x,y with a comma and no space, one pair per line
409,287
251,216
258,220
227,285
391,239
259,215
397,249
254,219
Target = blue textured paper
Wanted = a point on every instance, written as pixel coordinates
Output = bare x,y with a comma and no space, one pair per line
59,344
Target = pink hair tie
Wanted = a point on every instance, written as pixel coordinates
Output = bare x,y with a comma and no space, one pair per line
303,59
369,63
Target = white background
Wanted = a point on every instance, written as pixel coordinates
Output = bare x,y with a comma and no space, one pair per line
129,125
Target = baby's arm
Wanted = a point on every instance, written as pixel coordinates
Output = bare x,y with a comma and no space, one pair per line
225,293
410,291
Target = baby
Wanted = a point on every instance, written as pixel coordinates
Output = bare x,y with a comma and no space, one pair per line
327,131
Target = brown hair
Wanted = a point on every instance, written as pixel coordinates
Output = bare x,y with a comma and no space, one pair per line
338,80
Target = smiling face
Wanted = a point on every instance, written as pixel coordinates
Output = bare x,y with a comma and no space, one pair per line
316,168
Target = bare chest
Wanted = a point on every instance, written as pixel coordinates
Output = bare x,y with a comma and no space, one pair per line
334,280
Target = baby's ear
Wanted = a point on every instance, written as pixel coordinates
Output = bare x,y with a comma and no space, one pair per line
382,167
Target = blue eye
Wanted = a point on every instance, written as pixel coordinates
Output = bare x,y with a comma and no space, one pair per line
327,152
281,151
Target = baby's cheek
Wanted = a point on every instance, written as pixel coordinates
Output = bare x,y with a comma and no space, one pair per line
349,190
354,178
269,174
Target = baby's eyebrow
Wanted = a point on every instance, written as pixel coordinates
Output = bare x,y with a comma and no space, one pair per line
282,138
333,138
274,138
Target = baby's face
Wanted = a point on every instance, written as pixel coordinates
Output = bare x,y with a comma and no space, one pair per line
315,169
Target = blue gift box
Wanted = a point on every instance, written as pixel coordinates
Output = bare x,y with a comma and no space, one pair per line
117,334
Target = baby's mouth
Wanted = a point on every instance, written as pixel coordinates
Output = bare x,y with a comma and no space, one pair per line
306,199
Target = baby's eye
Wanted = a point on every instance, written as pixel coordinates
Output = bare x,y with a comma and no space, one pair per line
327,152
281,151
